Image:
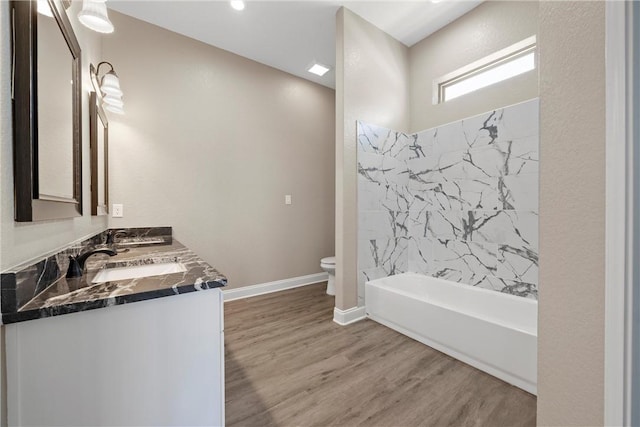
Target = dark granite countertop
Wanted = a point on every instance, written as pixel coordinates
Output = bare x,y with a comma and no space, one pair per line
80,294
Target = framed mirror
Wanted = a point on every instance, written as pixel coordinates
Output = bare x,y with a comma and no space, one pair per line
99,136
47,118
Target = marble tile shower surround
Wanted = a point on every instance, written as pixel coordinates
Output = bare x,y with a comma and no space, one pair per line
459,201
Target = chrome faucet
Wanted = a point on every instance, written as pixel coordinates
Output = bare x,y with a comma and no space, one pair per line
76,264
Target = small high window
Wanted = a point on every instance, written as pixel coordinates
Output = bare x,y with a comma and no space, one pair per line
499,66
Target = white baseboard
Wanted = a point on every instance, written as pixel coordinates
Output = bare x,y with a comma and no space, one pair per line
346,317
269,287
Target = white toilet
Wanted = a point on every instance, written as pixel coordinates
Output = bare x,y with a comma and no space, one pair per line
329,265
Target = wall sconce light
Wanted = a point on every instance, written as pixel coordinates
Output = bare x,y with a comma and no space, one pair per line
107,88
44,8
237,4
94,16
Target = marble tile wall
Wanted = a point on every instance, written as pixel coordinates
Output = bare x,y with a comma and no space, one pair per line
383,203
459,201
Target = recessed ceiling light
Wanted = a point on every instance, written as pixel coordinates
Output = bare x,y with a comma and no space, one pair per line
237,4
319,70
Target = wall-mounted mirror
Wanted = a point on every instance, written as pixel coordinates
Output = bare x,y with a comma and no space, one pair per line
99,133
46,112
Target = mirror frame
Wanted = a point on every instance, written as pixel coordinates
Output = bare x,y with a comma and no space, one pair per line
29,205
98,122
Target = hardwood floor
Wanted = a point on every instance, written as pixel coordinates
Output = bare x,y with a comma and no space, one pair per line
289,364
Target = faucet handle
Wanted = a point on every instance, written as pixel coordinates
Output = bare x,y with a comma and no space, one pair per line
76,264
74,269
112,234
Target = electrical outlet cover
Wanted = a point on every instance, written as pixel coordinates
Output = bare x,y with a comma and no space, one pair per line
118,210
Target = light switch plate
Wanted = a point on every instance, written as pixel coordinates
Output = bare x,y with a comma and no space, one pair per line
118,210
287,199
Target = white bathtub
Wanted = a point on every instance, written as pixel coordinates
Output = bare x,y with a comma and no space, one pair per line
495,332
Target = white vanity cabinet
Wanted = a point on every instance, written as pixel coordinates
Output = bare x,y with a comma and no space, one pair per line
149,363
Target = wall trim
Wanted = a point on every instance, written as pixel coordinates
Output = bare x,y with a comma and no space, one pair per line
276,286
618,192
349,316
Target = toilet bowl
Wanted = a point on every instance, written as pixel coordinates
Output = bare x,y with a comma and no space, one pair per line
329,265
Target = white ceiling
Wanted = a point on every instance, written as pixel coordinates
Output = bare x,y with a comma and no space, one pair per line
291,35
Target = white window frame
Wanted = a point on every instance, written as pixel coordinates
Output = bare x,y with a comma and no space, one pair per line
500,57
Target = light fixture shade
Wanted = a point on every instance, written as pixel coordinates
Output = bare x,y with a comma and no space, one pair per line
44,8
94,16
237,4
111,84
114,108
115,101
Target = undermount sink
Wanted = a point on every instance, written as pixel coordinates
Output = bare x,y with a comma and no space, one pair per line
138,271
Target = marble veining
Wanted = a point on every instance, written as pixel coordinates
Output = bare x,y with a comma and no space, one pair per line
132,237
24,282
58,295
459,201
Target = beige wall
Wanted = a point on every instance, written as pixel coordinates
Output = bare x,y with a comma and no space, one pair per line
210,144
20,242
486,29
371,85
572,213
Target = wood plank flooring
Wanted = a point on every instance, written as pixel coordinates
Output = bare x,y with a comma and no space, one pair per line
289,364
